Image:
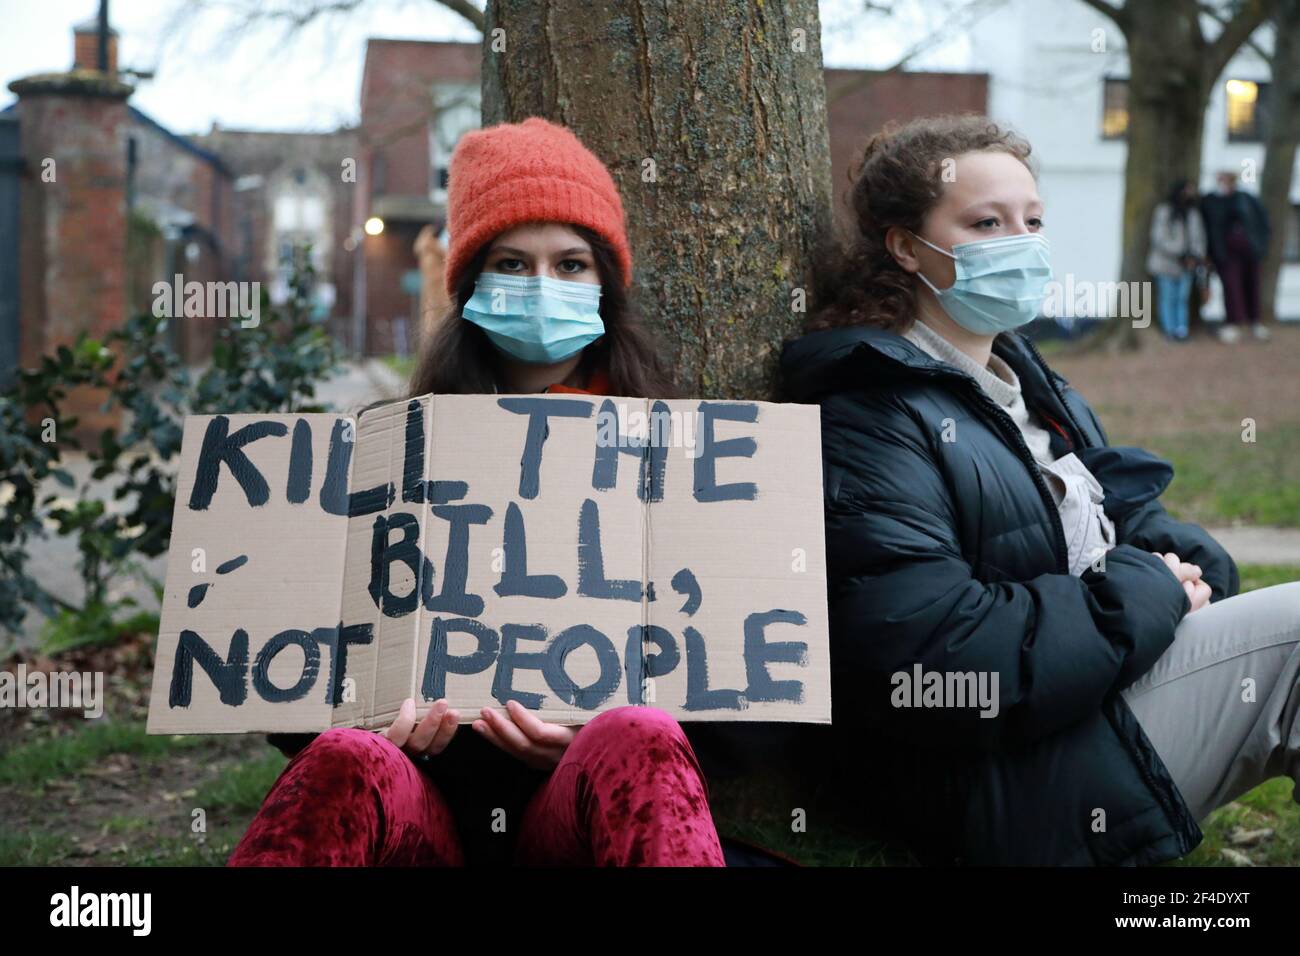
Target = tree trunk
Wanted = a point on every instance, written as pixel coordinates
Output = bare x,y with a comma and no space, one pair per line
1280,151
1168,94
712,120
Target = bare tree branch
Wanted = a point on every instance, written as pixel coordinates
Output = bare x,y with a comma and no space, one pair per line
467,10
1118,14
1250,14
1216,14
299,16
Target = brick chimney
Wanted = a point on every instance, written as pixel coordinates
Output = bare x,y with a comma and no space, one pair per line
85,46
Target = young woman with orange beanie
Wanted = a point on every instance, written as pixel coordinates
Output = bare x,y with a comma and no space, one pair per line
530,209
538,271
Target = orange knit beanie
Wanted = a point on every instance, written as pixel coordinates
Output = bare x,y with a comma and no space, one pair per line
532,171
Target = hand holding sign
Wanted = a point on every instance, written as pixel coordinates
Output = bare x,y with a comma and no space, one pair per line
428,738
521,734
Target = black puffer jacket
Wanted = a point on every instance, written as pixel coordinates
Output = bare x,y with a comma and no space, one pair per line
950,554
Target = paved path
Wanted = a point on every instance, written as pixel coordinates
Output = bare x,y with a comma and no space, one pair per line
1249,545
359,384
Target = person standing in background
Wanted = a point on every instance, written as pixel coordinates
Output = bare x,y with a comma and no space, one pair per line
1236,226
1177,249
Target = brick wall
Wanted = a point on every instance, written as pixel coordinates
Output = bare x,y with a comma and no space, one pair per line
73,227
860,102
396,106
85,48
396,109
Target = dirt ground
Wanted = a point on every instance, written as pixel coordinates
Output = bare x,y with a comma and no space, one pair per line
1166,388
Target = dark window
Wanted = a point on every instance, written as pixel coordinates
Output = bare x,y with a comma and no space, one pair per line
1291,238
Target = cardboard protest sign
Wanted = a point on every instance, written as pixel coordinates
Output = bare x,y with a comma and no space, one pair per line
572,552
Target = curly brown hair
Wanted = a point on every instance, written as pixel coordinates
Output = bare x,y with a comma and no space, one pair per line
896,183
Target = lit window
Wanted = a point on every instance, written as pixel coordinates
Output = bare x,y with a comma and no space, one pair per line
312,212
1248,108
286,212
1114,109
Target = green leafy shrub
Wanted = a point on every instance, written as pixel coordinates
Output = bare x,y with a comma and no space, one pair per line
272,367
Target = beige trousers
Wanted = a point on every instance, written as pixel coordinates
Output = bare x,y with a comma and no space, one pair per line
1222,705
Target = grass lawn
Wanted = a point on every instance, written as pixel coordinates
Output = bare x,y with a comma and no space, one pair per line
1227,417
1219,479
108,794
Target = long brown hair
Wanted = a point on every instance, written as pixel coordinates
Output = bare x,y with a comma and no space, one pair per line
897,182
459,358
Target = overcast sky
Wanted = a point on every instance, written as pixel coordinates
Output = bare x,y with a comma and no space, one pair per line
206,72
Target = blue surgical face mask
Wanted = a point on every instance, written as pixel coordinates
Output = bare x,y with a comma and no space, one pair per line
1000,282
536,319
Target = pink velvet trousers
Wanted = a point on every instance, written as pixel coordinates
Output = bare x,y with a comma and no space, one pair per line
628,792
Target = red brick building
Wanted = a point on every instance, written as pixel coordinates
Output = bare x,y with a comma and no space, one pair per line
71,209
99,202
99,197
417,99
180,205
109,202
